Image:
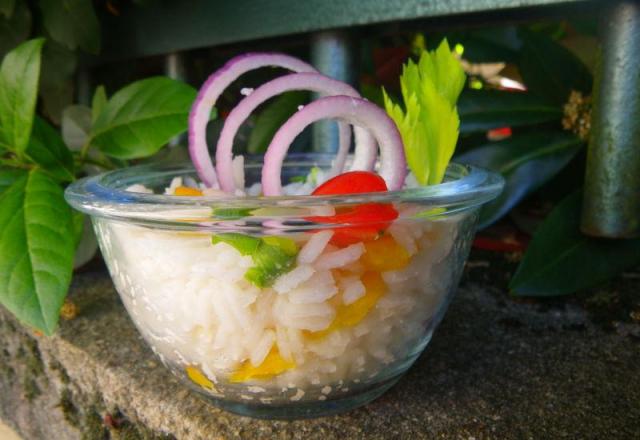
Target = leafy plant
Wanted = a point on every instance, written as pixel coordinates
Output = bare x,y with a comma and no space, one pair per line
546,128
550,124
38,231
559,248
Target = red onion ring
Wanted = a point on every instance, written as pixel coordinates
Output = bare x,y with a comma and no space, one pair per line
393,165
315,82
211,91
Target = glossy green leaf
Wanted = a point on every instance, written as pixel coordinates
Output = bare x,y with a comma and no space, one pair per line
8,176
36,250
72,23
19,75
526,162
550,70
47,149
76,126
98,102
142,117
482,110
271,118
7,7
16,29
561,260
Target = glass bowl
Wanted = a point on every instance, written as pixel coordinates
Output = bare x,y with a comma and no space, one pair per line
285,307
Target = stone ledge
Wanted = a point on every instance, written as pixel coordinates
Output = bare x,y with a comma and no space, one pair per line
495,369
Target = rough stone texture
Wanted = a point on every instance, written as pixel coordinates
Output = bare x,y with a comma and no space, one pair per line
495,369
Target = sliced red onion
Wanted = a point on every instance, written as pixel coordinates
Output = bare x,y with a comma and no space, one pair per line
315,82
393,165
211,91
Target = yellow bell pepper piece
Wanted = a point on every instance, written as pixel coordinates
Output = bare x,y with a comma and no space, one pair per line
272,365
199,378
384,254
187,191
350,315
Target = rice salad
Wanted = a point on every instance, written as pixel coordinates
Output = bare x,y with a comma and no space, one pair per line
338,319
293,286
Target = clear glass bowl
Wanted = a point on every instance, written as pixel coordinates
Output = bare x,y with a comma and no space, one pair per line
328,321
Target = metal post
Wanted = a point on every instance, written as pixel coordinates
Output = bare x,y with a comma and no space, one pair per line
611,205
332,53
174,67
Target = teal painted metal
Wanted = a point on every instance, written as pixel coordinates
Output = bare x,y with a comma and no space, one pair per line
168,26
332,53
611,205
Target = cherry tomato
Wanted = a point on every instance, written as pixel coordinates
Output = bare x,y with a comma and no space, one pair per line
369,219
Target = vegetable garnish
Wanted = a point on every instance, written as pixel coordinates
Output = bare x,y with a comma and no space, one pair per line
429,123
211,91
393,167
352,314
272,256
187,191
298,81
196,376
369,219
272,365
232,213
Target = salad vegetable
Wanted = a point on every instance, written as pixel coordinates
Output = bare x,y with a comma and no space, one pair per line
355,110
369,219
211,91
429,123
297,81
272,256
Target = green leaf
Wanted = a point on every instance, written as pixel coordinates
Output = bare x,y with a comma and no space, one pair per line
19,74
140,118
8,176
16,29
7,7
72,23
36,250
47,149
98,103
526,162
429,122
76,126
561,260
271,118
482,110
550,70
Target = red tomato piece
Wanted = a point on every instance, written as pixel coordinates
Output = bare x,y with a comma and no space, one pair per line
353,182
369,219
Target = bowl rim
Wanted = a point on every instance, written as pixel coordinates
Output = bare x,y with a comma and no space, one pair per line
105,195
